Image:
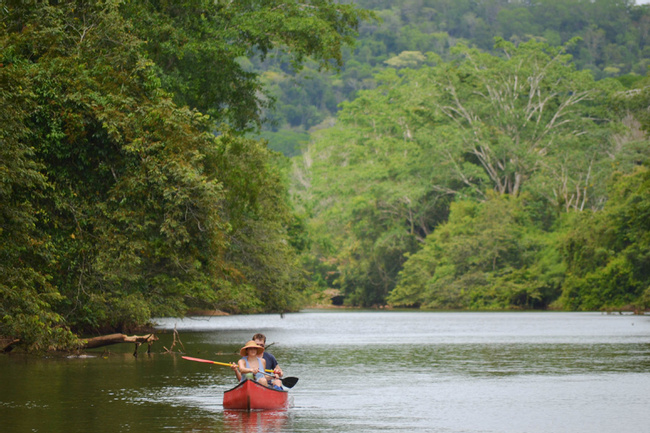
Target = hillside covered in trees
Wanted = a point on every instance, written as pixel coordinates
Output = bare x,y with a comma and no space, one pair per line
615,37
514,177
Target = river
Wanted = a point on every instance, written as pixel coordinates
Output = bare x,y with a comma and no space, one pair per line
360,371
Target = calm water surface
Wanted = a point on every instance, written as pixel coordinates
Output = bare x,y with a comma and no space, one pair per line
359,372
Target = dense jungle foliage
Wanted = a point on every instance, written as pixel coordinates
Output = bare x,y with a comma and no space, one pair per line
468,154
127,188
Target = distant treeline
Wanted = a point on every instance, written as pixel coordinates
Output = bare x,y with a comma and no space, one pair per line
615,38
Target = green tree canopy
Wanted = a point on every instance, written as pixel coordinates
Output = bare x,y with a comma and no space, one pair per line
607,253
488,255
198,45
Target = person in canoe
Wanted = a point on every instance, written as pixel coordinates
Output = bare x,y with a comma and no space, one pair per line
271,362
252,364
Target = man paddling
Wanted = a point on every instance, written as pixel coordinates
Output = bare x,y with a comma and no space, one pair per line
271,362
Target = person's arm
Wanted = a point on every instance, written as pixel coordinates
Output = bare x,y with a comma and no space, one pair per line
235,368
276,370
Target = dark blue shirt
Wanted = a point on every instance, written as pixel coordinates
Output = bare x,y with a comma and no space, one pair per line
271,362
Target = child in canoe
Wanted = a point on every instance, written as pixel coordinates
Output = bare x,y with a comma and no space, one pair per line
252,363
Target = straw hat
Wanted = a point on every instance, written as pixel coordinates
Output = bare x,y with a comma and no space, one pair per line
250,344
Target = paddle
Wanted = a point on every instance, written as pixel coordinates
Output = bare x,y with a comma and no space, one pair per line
288,382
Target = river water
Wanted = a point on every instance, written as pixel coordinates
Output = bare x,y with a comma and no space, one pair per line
379,371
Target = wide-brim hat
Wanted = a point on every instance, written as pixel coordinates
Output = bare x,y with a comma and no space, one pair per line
250,344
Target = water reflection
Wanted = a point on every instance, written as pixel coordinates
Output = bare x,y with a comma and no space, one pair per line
264,421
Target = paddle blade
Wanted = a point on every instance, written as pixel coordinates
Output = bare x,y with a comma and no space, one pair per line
289,382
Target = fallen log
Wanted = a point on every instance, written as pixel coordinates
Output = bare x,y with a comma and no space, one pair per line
106,340
7,344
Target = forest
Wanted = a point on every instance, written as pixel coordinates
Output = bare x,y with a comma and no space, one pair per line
489,182
614,43
159,158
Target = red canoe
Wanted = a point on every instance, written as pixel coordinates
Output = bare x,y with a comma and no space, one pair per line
249,395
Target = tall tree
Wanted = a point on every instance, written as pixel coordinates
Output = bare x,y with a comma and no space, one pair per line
515,118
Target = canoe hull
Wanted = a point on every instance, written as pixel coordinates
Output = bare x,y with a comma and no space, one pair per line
250,395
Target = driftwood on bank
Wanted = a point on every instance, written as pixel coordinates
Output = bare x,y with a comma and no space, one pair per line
7,344
106,340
